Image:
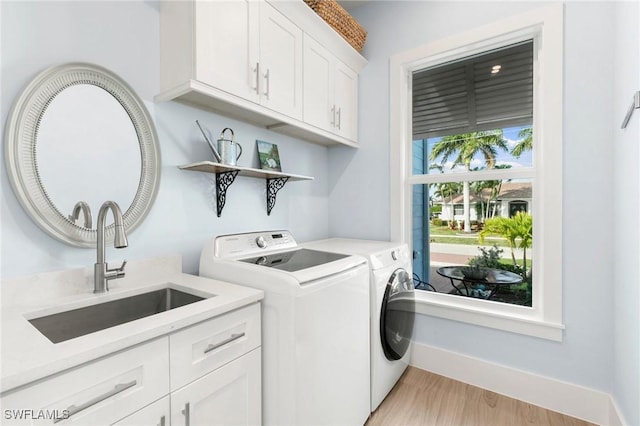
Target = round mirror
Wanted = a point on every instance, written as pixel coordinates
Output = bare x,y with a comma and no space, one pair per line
80,134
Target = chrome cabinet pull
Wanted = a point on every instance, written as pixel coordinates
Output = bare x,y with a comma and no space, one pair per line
266,78
75,409
257,88
333,116
339,118
187,414
213,346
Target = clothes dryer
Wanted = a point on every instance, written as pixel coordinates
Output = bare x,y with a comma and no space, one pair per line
392,313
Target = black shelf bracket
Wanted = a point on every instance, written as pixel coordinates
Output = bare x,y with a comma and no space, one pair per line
223,181
273,186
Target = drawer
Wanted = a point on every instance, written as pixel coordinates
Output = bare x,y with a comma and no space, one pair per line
202,348
100,392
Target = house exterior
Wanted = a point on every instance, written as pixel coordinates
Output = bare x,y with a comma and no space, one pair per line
513,197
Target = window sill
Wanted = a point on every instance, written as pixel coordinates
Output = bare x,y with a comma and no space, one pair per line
501,316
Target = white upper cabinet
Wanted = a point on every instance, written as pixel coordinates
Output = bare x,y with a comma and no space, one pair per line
244,59
280,63
330,91
227,41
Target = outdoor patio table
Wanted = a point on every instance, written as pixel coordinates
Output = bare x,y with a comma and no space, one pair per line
495,278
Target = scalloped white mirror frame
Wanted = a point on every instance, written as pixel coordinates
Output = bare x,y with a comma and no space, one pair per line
20,147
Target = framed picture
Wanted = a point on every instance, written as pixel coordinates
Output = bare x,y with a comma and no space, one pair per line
268,156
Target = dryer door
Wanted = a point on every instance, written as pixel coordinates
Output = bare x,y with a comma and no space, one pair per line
397,315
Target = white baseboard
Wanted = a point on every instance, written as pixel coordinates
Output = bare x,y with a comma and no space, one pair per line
615,415
566,398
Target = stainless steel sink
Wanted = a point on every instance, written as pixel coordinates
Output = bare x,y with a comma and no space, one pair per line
78,322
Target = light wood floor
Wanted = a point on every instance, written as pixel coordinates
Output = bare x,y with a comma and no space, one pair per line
423,398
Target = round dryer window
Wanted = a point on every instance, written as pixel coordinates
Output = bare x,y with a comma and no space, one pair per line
397,315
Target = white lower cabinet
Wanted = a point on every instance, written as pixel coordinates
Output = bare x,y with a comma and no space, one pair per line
156,414
205,374
97,393
229,395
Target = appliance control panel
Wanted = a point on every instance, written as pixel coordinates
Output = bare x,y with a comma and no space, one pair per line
240,245
395,256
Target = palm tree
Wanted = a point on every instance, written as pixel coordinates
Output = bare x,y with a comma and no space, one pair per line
518,230
525,144
464,147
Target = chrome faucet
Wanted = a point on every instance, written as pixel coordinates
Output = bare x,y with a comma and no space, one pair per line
101,272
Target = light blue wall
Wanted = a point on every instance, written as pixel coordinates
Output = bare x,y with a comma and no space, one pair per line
626,190
125,37
585,356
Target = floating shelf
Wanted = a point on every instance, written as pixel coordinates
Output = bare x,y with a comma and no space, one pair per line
225,176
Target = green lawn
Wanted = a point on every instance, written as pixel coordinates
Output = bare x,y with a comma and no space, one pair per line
442,234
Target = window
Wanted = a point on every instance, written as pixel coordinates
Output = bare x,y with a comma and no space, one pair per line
459,109
470,115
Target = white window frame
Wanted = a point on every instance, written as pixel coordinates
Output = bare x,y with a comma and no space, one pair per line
545,26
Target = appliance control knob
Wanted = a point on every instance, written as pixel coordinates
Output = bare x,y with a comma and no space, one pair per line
394,254
261,242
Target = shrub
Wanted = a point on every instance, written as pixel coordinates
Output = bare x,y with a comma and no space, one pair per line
489,258
437,222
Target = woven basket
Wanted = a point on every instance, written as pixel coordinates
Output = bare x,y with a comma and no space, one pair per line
340,20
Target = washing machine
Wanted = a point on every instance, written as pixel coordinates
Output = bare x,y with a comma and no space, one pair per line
315,325
392,315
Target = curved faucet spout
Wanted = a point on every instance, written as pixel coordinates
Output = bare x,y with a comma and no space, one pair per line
102,274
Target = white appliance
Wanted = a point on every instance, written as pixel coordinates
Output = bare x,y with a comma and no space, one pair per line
392,307
315,325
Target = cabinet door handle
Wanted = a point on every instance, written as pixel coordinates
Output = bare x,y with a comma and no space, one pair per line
339,118
162,421
213,346
333,115
257,88
75,409
266,79
187,414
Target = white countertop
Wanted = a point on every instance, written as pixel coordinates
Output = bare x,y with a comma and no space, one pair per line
27,355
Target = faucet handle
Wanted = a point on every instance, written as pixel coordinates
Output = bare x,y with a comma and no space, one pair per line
119,272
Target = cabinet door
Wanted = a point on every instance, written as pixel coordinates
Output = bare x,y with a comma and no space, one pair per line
230,395
156,414
226,35
346,102
280,63
318,106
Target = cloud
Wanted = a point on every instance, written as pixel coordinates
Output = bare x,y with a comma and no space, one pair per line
513,164
511,143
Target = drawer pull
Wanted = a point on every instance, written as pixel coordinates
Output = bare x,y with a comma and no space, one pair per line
75,409
267,79
257,89
233,337
187,414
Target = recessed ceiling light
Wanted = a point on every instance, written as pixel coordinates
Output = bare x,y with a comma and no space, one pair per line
496,69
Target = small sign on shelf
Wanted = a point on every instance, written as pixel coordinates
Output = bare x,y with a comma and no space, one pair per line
268,156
